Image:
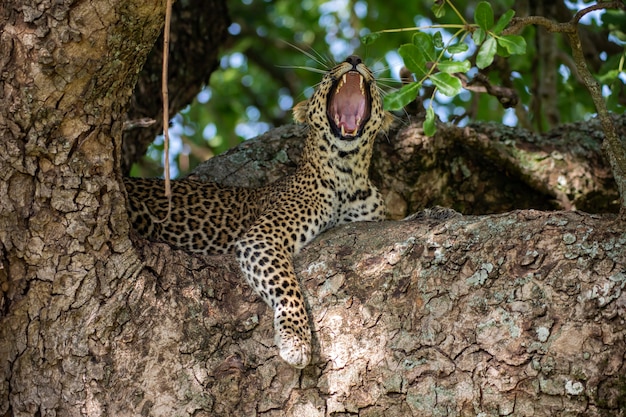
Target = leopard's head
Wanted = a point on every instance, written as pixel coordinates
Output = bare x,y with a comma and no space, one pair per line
346,105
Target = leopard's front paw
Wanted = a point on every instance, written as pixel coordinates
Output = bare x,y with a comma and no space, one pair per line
295,351
294,343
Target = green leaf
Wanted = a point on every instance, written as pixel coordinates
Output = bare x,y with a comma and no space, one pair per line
609,77
398,99
417,54
483,16
503,22
438,40
413,59
458,48
514,44
447,84
426,45
439,9
454,66
370,38
429,124
486,53
479,36
502,51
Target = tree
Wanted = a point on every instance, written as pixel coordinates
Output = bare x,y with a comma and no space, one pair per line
518,313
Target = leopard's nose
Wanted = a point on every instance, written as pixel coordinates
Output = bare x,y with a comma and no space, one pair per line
354,60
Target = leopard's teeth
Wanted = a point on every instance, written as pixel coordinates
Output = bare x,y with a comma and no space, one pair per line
341,83
343,130
361,84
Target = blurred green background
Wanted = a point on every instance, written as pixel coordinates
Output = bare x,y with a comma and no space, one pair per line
275,50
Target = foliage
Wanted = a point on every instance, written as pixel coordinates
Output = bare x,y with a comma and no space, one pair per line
273,44
429,58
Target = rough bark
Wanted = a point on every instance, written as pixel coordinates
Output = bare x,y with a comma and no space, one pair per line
66,260
514,314
520,313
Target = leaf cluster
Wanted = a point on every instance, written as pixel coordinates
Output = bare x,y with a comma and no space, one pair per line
430,59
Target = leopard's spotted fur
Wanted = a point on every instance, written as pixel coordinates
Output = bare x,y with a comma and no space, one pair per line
266,227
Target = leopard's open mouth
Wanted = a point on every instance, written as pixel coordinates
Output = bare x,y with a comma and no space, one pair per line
349,105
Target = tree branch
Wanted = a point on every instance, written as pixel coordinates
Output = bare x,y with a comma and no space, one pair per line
521,313
612,145
482,168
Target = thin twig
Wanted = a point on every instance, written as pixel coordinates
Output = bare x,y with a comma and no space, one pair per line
598,6
166,109
166,104
519,23
138,123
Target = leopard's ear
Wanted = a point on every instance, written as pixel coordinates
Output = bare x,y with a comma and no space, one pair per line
299,111
388,120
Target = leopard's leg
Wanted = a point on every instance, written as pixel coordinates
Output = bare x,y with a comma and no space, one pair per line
267,266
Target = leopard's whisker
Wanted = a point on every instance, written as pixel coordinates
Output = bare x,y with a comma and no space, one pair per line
302,67
322,61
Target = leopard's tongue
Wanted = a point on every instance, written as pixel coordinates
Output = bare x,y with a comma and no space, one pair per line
348,105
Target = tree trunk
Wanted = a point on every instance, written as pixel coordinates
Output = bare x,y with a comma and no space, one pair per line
512,314
67,263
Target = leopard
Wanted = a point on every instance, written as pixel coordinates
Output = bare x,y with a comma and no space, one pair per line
266,227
